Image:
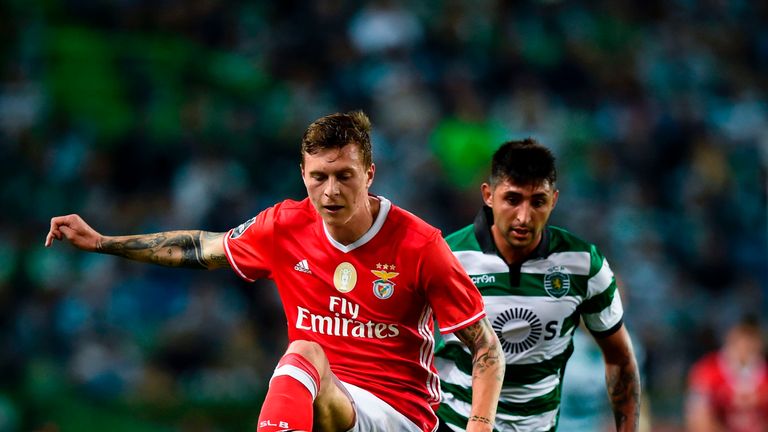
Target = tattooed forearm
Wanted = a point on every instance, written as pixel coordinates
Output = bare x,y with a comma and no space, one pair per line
488,366
212,257
173,248
624,391
485,349
480,419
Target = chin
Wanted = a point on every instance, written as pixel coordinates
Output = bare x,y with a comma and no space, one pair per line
519,244
334,220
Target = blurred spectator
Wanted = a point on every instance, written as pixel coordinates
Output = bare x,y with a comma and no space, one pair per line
728,389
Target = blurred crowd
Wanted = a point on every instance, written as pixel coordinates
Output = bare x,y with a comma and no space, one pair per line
146,116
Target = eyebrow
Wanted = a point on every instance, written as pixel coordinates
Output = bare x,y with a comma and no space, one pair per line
535,195
336,172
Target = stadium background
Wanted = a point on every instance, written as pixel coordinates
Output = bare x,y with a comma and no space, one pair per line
145,116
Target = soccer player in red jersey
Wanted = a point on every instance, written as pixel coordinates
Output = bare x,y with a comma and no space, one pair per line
361,282
728,389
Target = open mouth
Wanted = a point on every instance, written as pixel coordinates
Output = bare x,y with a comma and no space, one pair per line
333,208
520,232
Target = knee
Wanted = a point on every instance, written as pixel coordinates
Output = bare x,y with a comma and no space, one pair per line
312,351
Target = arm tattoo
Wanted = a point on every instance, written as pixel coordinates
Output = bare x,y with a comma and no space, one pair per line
173,248
480,419
624,391
484,350
218,260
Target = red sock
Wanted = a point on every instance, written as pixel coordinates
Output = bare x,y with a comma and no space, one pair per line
292,390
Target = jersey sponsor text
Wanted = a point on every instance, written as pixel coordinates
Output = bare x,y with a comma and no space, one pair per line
343,322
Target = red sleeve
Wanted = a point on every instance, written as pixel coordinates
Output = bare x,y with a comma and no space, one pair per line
248,246
455,300
701,376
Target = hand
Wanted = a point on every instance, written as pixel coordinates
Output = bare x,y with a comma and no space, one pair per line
73,228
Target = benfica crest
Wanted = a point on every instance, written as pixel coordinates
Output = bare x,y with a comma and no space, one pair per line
383,287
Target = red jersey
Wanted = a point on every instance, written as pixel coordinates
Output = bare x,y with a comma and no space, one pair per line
739,399
370,304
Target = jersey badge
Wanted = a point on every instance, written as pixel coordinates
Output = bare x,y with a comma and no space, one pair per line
383,287
345,277
237,232
557,282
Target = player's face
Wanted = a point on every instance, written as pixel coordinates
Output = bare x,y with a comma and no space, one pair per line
520,213
744,346
337,184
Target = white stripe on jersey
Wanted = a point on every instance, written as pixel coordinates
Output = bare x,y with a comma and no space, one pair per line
577,263
232,260
451,374
476,262
427,354
607,318
545,309
511,423
524,393
600,281
461,324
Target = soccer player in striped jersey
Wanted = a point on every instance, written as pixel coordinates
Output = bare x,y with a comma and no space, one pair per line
361,281
538,281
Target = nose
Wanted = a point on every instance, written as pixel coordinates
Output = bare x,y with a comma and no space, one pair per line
524,212
331,187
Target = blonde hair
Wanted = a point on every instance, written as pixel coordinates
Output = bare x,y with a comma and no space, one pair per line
336,131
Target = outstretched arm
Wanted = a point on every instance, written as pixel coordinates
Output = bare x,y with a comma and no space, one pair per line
488,366
622,379
191,249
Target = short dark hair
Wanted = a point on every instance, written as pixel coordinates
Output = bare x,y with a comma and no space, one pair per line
749,323
336,131
523,162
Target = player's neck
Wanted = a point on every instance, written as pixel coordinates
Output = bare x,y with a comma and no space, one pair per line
358,224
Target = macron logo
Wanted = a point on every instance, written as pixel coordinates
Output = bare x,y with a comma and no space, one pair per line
302,266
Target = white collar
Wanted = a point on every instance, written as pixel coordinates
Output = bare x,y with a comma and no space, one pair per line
384,207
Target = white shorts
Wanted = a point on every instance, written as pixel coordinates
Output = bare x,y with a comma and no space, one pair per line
374,415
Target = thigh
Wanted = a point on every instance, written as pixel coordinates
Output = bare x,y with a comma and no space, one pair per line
334,409
375,415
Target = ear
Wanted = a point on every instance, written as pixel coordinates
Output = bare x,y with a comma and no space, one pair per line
304,179
487,192
554,197
370,173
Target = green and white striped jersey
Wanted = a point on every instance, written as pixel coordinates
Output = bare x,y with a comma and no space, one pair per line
534,309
